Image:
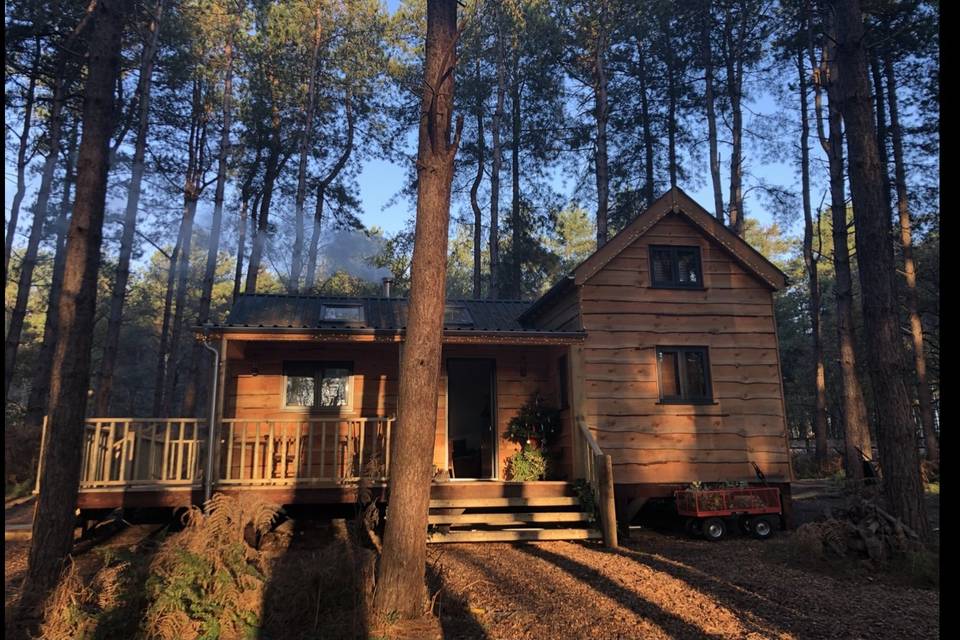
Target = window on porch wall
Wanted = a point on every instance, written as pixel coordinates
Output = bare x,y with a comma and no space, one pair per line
317,385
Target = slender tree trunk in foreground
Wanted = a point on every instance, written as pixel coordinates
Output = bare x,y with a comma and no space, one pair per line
160,374
735,95
22,159
474,188
53,524
896,431
496,162
400,584
856,431
813,280
601,115
645,116
910,270
112,340
516,219
706,47
40,384
269,180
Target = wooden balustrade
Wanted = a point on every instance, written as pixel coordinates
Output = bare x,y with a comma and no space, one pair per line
132,451
126,452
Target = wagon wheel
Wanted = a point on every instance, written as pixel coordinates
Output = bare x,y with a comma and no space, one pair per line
691,526
761,527
714,529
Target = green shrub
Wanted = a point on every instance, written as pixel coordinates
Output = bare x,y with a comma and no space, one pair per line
527,465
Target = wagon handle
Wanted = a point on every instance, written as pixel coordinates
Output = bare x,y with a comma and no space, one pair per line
760,475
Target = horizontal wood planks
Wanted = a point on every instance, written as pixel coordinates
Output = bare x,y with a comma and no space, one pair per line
732,315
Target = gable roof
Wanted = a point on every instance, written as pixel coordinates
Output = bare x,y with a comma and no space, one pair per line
677,201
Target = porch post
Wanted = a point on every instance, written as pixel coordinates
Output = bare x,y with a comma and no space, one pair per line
212,421
576,410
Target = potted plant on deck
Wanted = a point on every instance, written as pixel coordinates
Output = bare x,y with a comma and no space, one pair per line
533,428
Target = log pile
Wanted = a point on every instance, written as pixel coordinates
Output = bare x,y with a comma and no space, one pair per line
861,530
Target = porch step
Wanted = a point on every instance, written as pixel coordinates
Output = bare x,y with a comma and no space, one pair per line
519,512
514,535
510,518
493,503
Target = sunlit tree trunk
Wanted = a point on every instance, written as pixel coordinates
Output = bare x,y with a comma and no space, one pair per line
601,112
734,64
53,524
474,189
400,588
496,160
706,47
896,431
516,216
910,270
119,292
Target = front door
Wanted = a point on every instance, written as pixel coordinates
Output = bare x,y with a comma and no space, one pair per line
471,444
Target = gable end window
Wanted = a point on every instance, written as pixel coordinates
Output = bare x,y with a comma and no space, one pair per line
675,267
684,375
325,386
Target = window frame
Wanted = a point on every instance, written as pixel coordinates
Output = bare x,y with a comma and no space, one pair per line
675,282
451,308
318,367
684,397
342,305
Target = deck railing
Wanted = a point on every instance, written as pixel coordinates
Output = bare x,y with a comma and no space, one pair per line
592,465
280,452
128,452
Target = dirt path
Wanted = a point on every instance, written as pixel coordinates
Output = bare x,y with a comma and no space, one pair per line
659,586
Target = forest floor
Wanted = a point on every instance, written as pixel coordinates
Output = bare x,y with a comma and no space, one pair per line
659,584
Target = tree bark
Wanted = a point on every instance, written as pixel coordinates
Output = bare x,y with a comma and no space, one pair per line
601,115
297,257
649,185
22,160
400,584
856,430
160,374
909,269
734,64
53,524
708,99
496,161
671,102
311,278
896,431
516,221
119,292
29,262
475,187
198,375
40,383
263,218
246,192
813,281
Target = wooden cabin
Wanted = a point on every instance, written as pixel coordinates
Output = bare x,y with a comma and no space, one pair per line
659,350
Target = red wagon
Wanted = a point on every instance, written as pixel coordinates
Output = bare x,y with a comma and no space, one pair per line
757,509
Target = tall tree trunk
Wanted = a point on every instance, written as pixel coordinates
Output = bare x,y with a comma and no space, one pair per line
269,180
29,262
708,99
241,247
22,160
649,185
734,64
475,187
496,160
810,261
40,383
880,111
601,115
671,102
400,583
910,269
896,431
516,221
311,278
297,258
856,429
162,349
197,377
191,195
53,524
119,292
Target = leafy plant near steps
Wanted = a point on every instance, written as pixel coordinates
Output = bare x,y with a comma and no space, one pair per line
588,501
527,465
534,421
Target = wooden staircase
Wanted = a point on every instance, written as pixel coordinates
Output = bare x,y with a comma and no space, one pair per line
507,512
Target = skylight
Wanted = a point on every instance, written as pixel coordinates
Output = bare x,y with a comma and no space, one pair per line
341,313
456,314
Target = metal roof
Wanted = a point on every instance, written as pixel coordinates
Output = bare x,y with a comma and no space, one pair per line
288,311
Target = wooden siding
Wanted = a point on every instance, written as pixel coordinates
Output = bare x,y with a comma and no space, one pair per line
626,319
521,372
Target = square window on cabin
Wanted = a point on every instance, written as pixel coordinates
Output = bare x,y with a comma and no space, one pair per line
317,385
342,313
676,267
456,314
684,375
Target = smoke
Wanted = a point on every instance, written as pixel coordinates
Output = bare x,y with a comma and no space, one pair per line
352,251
